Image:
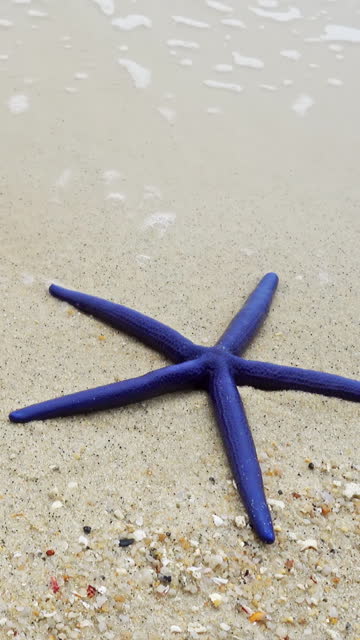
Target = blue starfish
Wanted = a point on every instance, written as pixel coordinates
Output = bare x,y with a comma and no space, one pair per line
216,369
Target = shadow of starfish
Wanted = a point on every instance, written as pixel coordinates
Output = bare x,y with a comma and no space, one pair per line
216,369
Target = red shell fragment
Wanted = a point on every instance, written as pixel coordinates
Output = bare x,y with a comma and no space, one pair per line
91,591
54,585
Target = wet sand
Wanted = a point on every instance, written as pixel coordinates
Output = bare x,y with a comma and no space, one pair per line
167,161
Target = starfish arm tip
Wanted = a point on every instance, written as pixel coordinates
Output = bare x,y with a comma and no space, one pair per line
18,416
54,289
274,276
268,535
261,521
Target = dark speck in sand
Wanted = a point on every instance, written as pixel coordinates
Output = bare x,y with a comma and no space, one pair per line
126,542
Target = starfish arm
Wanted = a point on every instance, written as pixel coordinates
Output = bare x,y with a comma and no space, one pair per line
154,333
118,394
241,451
245,324
274,377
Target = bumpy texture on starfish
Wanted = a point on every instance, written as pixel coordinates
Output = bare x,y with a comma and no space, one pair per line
217,369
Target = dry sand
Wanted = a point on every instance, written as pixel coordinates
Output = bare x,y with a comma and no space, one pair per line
142,184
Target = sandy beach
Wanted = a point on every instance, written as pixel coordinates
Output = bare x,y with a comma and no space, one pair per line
166,156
